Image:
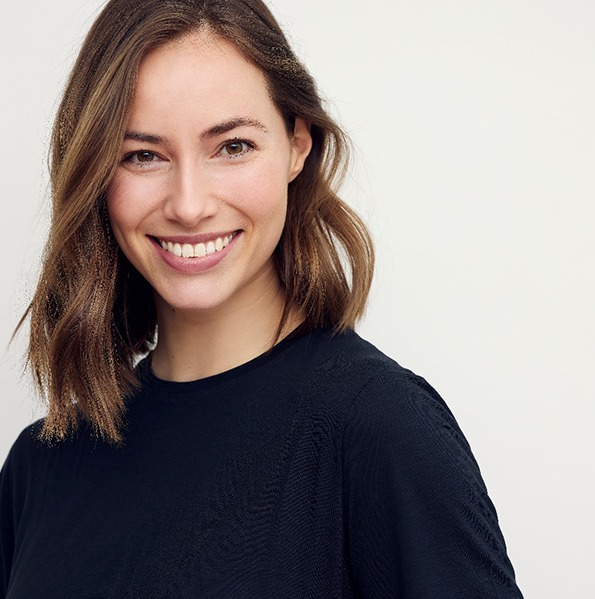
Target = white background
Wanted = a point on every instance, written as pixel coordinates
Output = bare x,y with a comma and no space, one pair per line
474,124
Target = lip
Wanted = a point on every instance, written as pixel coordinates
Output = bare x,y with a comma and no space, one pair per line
194,265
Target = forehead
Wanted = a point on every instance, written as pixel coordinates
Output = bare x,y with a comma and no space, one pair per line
199,67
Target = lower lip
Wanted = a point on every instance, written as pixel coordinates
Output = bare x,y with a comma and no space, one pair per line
194,266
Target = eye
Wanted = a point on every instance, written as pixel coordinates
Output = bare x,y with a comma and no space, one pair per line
236,147
142,159
144,156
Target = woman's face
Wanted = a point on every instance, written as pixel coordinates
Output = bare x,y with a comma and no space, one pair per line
198,201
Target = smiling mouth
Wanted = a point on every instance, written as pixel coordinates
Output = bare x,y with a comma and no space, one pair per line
197,250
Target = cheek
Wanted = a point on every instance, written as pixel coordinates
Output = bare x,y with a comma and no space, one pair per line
115,203
261,193
116,209
129,201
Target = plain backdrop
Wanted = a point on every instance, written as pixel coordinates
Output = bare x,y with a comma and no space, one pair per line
474,128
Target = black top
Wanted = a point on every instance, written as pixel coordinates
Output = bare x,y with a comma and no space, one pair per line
321,469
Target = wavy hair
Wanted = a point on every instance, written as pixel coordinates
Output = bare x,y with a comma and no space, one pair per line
93,315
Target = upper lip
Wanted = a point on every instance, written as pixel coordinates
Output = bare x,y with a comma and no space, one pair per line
194,239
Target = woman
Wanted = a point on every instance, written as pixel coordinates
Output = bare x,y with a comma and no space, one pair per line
262,448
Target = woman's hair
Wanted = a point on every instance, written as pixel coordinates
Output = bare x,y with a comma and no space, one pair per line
93,315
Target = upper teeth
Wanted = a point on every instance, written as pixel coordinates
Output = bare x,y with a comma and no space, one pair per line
186,250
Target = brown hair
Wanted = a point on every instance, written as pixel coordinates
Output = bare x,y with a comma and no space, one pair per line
93,315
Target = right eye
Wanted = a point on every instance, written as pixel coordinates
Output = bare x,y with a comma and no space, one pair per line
142,159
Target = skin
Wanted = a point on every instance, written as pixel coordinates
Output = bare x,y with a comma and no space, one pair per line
190,169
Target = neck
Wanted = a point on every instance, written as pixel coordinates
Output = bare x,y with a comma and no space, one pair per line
197,344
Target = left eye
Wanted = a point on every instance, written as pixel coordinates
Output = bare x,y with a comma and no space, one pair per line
236,147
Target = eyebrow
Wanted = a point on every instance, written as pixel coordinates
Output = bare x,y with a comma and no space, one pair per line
214,131
147,138
230,124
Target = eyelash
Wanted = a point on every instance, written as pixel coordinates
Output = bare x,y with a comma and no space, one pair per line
237,140
130,158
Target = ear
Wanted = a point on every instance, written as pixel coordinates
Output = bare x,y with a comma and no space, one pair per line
301,144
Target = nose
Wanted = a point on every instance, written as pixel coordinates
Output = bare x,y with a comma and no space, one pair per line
189,198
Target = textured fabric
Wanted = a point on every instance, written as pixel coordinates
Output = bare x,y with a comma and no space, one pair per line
319,470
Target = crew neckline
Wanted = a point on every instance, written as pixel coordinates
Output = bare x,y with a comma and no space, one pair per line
152,382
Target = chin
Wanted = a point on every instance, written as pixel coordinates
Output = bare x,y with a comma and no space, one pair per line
194,302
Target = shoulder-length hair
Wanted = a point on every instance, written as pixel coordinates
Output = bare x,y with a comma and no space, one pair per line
93,315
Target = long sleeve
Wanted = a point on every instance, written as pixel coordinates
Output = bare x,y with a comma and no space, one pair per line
420,522
15,476
6,527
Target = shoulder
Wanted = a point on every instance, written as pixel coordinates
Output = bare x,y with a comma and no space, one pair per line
402,400
378,381
17,466
27,441
380,398
393,411
29,449
353,356
25,448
